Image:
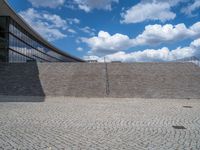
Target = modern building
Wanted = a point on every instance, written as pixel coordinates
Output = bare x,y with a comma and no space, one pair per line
21,43
92,61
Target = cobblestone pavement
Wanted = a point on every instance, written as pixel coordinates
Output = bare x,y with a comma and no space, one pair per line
80,123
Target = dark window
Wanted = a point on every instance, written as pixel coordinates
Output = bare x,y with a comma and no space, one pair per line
2,35
3,39
3,32
2,43
3,55
3,24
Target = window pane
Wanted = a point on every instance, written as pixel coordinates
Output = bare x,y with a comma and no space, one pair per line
22,42
3,55
2,42
2,24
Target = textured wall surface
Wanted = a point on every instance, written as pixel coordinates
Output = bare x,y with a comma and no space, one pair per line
138,80
154,80
20,80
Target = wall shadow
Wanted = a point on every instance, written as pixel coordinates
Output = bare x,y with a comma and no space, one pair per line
20,82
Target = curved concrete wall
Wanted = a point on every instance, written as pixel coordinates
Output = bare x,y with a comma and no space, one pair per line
137,80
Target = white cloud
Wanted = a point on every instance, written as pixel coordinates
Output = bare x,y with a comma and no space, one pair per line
71,31
92,58
50,26
80,49
152,55
196,43
146,55
88,5
88,30
56,20
156,34
47,3
105,43
73,21
170,2
158,10
148,11
191,7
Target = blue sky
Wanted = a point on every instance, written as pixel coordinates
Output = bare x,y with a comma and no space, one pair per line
124,30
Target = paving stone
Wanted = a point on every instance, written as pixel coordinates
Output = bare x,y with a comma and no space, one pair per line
82,123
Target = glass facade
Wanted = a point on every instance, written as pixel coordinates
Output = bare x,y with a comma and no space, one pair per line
17,45
3,39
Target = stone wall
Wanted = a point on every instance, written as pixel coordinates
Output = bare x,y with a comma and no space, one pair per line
136,80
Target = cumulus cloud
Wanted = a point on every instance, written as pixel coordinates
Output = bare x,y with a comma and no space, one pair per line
88,5
105,43
159,10
148,11
195,43
50,26
47,3
156,34
152,55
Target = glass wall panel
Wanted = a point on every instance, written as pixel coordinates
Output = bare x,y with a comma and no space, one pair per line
3,55
3,39
21,42
19,46
15,57
3,24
